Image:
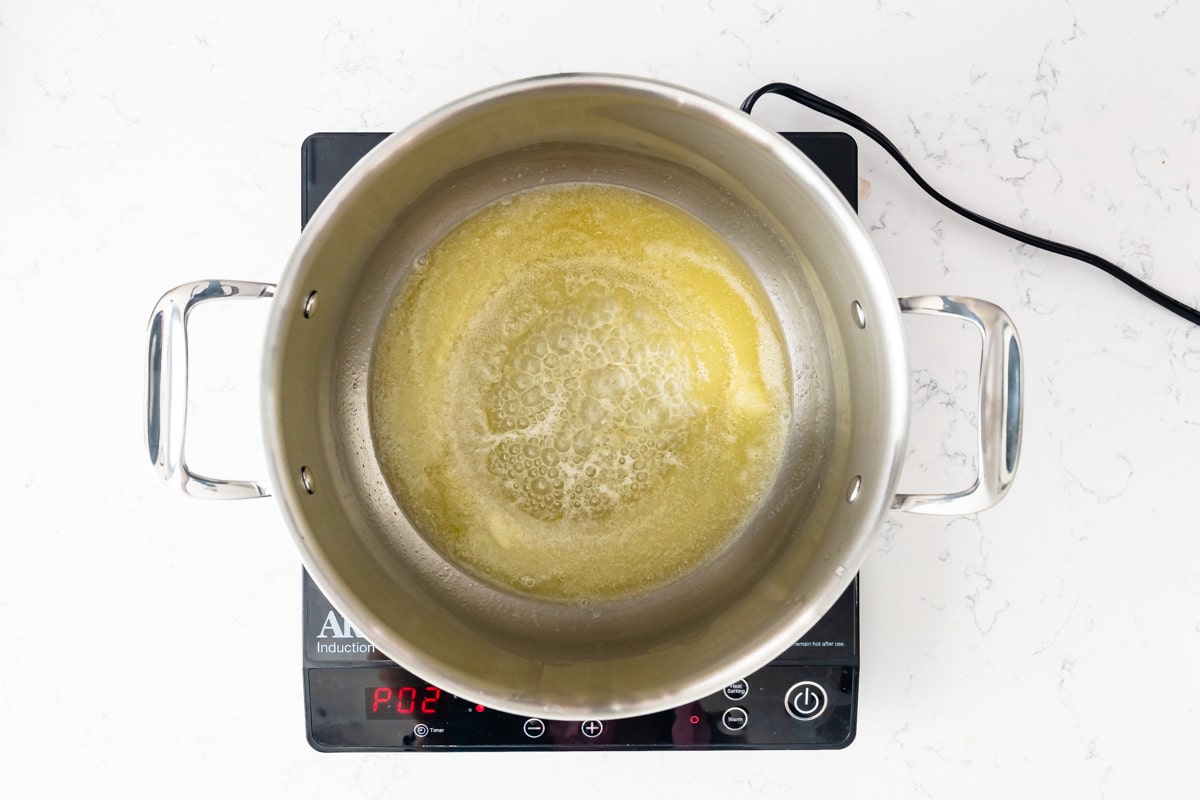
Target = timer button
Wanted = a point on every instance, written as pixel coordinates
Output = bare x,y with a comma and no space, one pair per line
806,700
592,728
735,718
534,728
421,730
737,690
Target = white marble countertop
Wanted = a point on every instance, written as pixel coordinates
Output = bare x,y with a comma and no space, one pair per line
1048,647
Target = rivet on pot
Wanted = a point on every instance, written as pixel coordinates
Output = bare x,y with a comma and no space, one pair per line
855,488
310,305
860,315
306,480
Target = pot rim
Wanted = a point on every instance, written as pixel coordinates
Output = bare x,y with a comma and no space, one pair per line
879,296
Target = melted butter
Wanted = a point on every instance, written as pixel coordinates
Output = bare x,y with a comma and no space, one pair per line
580,393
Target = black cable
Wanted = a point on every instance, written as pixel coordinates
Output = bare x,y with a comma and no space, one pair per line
822,106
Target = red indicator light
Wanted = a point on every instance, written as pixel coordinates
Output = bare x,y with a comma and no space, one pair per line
695,720
479,709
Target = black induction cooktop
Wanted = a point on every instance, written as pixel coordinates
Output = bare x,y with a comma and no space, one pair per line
356,699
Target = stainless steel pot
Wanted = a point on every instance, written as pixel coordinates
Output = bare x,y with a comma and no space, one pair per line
842,330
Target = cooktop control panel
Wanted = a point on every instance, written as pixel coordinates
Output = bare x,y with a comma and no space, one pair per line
358,700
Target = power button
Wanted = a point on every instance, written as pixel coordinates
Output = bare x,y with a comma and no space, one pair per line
806,700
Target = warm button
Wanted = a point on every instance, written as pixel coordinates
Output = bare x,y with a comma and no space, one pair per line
735,718
806,700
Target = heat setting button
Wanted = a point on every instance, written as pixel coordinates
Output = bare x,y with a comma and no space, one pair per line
737,690
806,701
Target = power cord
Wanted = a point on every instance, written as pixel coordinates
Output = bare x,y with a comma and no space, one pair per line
822,106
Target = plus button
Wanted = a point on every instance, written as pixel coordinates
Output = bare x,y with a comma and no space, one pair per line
592,728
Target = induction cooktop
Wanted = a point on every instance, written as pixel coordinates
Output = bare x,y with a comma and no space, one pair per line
356,699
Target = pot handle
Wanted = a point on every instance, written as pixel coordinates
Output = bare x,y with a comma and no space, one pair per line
166,388
999,406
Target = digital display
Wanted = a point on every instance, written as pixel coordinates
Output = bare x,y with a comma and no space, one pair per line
392,702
